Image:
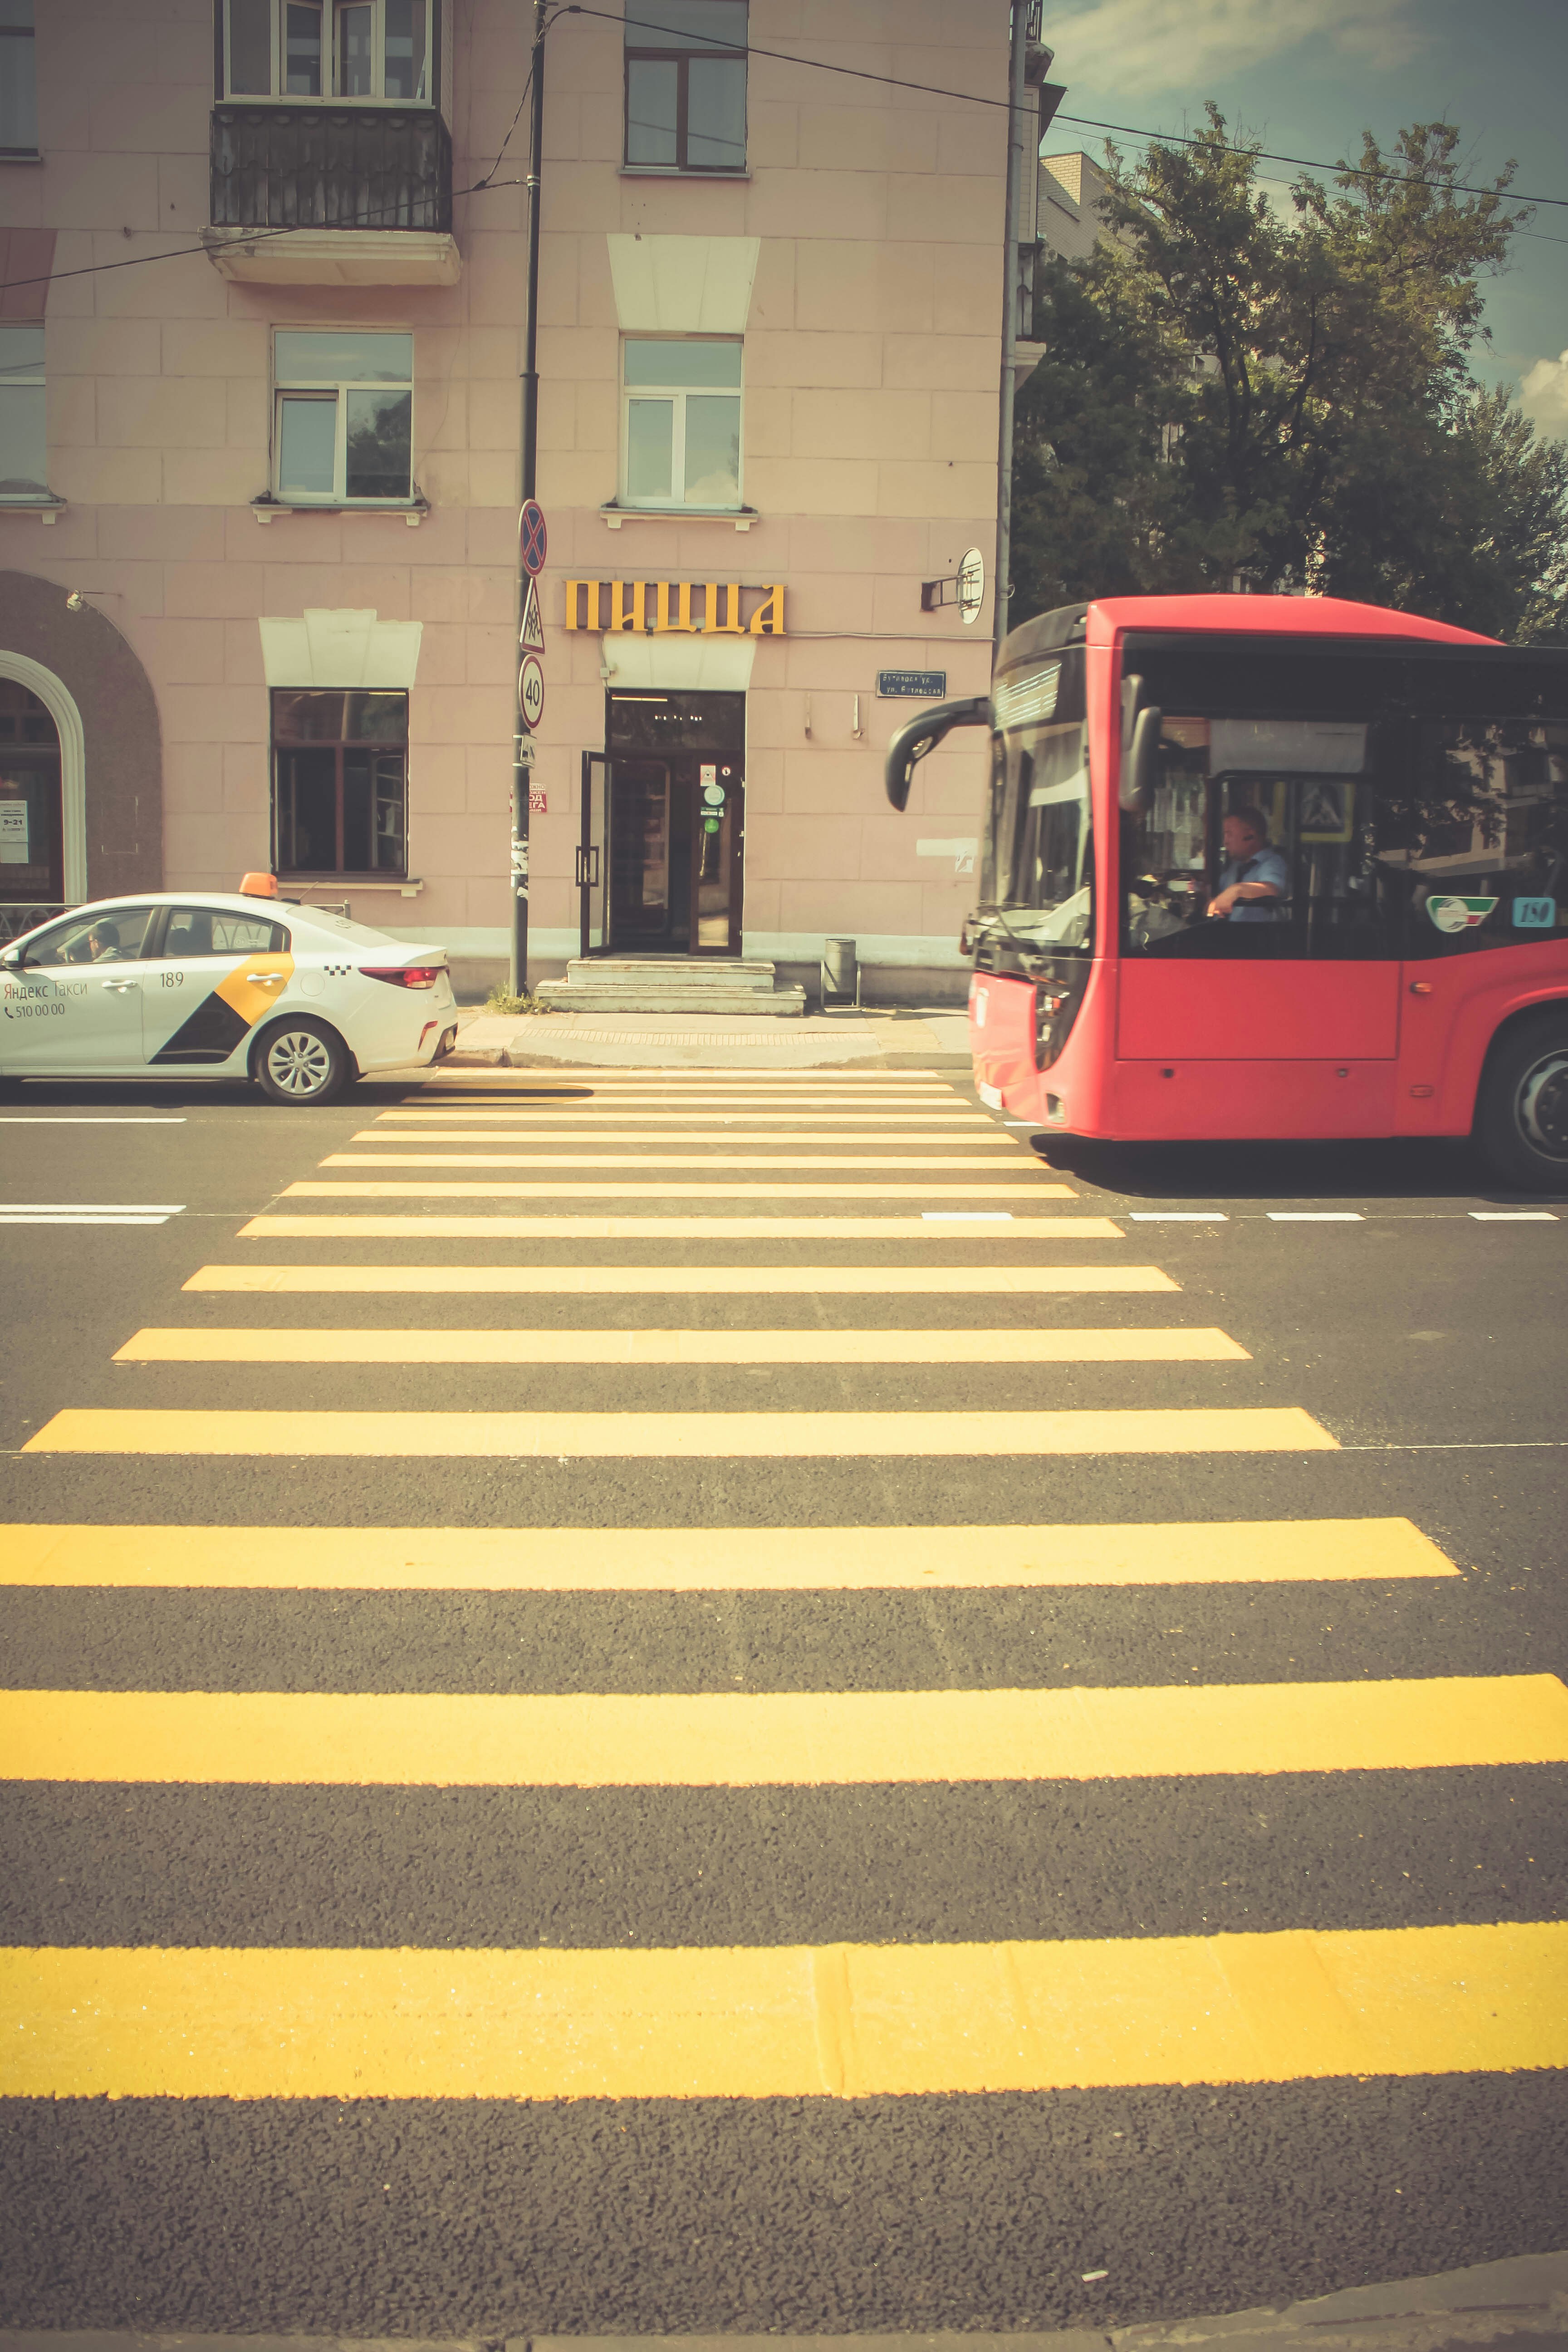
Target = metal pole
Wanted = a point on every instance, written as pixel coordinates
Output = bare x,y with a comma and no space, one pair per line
522,742
1009,318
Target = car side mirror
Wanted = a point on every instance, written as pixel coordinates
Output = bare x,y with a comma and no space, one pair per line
12,957
1141,763
923,732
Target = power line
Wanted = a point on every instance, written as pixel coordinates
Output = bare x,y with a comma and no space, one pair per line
1086,121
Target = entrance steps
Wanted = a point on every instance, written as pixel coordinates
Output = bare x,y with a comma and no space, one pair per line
669,984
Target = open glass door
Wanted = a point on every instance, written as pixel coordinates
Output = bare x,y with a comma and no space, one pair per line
593,853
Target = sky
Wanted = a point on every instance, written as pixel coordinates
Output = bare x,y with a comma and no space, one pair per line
1307,77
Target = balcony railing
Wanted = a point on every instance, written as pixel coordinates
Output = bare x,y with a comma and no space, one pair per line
383,167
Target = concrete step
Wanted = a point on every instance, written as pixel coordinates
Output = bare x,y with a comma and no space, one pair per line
630,996
672,972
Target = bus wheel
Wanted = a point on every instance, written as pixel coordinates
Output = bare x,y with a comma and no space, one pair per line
1522,1112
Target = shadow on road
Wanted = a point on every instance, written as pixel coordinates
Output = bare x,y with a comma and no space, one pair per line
1446,1168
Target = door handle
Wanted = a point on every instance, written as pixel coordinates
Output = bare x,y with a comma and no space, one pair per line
118,987
588,867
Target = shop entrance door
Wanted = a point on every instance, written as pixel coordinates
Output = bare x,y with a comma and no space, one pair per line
674,798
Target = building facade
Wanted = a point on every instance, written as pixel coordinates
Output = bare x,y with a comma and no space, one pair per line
264,272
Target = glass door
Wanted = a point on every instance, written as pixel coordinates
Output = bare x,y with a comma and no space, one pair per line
719,824
641,869
593,855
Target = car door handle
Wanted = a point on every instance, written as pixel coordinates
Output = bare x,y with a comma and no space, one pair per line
120,986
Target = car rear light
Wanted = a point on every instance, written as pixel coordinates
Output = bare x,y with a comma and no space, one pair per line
405,975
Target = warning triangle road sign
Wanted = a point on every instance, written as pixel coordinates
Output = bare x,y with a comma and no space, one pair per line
530,636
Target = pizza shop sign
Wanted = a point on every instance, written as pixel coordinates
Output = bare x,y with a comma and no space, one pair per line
692,608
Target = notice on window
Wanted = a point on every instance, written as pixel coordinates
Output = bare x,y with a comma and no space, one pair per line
14,849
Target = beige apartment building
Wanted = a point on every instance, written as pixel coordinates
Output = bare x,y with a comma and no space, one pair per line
259,462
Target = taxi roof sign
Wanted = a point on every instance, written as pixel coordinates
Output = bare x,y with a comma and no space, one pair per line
259,885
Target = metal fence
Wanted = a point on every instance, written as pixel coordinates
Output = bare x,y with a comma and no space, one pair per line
16,918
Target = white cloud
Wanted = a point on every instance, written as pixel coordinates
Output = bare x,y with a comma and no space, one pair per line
1138,46
1544,395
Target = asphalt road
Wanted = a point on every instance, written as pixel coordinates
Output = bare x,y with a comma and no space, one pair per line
1413,1320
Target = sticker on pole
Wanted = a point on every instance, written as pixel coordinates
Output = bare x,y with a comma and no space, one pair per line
971,586
531,692
1460,914
530,636
532,537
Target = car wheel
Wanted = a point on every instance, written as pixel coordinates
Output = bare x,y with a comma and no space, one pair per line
1522,1111
301,1061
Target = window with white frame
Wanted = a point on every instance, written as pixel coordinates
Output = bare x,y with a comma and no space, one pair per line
681,422
686,85
343,434
23,441
18,83
379,51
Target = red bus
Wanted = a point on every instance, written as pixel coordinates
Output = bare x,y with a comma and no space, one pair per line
1271,866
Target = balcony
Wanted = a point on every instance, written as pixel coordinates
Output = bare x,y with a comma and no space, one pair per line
342,195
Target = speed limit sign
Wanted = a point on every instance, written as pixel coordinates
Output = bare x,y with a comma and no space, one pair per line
531,692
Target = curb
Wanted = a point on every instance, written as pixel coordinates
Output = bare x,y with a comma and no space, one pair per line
1490,2302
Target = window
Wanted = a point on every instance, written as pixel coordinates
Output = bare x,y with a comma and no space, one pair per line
118,935
682,433
340,790
1039,857
19,84
22,443
215,931
336,49
686,85
344,432
1402,807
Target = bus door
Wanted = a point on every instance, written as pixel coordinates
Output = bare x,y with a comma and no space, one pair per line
1309,974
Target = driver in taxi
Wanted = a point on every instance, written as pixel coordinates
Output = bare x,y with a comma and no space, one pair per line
1254,875
103,943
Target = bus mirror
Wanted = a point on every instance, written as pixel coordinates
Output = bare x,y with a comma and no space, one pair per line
1139,765
923,734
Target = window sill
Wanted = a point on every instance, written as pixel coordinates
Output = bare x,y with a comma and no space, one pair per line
676,171
330,104
413,510
20,155
741,518
319,883
46,509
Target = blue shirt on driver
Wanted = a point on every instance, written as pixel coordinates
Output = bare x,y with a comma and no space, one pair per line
1264,864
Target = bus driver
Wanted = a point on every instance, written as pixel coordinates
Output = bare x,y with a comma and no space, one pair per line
1254,875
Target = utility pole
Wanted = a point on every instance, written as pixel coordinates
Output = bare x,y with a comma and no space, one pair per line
522,740
1017,93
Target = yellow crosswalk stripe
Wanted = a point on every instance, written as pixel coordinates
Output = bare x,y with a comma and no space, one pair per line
432,1227
844,2020
710,1559
588,1114
822,1161
257,1345
901,1144
779,1739
995,1184
681,1437
715,1281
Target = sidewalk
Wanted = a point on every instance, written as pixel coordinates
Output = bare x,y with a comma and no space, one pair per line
935,1038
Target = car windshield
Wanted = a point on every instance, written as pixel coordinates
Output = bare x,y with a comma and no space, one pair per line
1038,874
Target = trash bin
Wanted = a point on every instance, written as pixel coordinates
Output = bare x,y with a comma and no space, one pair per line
841,971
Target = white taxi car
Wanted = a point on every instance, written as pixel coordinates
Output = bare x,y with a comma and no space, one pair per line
200,984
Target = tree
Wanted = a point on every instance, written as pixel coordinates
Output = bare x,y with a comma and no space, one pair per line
1235,392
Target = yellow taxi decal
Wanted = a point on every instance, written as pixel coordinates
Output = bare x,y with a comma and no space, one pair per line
254,987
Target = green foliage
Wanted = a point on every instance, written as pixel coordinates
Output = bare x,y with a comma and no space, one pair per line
1237,393
502,999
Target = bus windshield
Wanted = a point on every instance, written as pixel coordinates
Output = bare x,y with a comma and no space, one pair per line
1336,802
1038,874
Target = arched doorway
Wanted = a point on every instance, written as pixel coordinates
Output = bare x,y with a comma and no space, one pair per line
32,808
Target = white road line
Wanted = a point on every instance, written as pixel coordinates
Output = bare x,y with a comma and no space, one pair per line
31,1120
98,1217
1177,1216
91,1208
1316,1217
1514,1216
